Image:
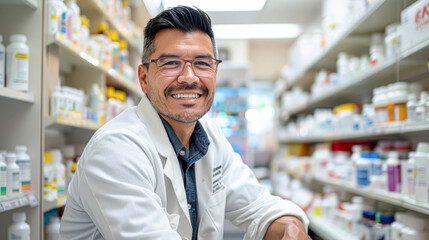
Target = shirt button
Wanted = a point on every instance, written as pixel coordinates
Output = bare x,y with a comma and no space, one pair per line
189,206
182,153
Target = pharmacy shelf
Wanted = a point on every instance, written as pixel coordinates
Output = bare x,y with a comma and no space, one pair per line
16,95
69,53
375,19
66,123
413,63
392,129
54,203
30,3
378,194
327,230
27,199
95,5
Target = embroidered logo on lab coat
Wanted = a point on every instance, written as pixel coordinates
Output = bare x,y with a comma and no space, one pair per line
217,179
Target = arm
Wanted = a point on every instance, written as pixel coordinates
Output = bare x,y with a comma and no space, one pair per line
117,189
286,227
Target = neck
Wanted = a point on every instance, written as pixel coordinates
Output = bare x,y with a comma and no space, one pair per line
182,130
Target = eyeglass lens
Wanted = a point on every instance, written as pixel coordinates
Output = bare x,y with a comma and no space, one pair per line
172,66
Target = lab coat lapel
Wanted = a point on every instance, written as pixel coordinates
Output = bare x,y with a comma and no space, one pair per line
172,172
204,179
159,137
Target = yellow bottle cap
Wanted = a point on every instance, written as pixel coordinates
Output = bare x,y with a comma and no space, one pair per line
110,92
73,167
102,28
48,157
113,35
84,20
123,44
125,3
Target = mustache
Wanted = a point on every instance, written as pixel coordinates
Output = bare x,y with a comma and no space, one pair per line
185,86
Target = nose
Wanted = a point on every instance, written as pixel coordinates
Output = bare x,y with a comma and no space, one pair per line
188,74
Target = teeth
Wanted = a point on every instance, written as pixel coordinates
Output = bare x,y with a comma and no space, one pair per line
194,95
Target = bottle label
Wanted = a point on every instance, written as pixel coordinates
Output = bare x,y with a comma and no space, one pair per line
3,181
393,178
16,184
25,174
362,174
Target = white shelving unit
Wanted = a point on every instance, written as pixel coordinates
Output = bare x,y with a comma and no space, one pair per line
21,118
80,70
328,230
410,66
404,128
16,95
29,3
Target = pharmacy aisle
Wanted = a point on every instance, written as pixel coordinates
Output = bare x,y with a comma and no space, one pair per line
353,122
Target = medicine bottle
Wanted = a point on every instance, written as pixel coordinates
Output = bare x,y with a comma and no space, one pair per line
2,62
13,183
17,63
24,163
52,16
52,231
393,172
19,229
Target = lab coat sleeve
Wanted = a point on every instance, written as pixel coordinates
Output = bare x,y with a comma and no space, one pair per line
117,189
249,205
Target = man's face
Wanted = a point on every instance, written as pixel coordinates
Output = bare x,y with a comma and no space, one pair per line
186,97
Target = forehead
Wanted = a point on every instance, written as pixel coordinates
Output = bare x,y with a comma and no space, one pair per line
175,42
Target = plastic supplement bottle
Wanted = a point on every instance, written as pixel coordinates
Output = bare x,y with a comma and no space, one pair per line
52,16
53,229
421,168
393,172
17,63
2,62
13,183
363,170
3,177
60,172
19,229
24,163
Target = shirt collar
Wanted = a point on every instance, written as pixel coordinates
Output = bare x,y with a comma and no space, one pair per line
199,138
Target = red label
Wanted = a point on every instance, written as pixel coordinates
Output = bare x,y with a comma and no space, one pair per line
422,17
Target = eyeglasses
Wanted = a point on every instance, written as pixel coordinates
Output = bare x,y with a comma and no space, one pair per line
173,66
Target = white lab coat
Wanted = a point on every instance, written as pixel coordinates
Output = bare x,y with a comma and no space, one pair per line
128,185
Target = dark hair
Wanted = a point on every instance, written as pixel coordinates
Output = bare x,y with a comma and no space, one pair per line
183,18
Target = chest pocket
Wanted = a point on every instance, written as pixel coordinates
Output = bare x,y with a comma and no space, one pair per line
211,225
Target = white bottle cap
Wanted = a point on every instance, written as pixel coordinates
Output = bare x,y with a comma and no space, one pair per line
18,38
423,147
11,157
68,151
19,216
21,148
54,219
357,199
393,154
56,155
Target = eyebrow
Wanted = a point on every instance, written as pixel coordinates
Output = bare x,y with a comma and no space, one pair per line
176,56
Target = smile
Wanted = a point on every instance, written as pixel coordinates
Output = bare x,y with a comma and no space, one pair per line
186,95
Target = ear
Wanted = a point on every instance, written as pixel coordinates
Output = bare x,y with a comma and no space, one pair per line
143,72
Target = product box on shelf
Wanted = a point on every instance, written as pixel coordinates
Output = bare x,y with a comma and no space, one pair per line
415,24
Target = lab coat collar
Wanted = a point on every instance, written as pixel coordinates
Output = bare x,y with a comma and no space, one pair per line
149,116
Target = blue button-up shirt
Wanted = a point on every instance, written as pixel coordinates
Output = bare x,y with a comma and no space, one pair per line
199,144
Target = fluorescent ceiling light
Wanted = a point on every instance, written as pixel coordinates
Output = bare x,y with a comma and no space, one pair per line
219,5
256,31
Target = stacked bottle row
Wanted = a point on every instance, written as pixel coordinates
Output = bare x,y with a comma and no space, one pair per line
58,170
388,167
394,103
65,22
15,172
361,218
14,63
76,108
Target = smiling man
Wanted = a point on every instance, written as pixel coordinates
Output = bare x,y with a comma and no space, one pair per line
159,171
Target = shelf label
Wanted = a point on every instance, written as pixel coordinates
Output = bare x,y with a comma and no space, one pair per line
23,201
33,200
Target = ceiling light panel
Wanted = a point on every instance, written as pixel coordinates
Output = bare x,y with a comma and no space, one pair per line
219,5
256,31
